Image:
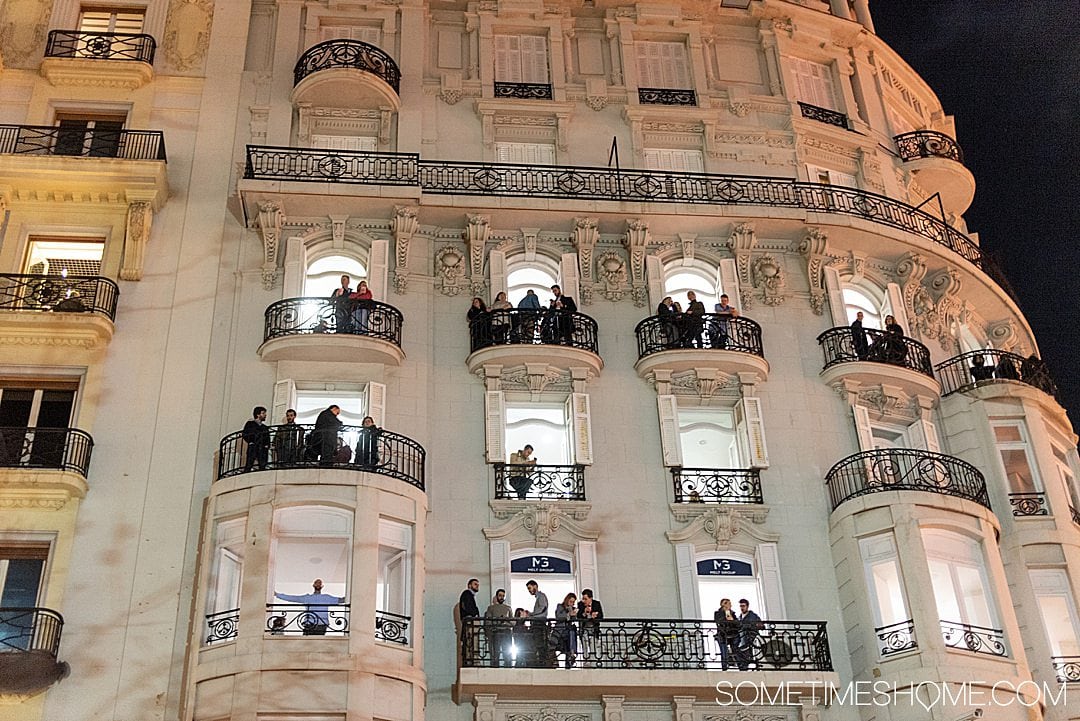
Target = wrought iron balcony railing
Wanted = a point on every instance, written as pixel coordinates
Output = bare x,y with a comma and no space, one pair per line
603,184
977,639
343,53
824,115
717,485
64,449
533,327
316,316
392,627
101,46
904,469
30,629
523,91
1075,515
58,293
222,626
981,367
297,619
1028,504
354,448
539,483
666,96
927,144
713,331
842,345
896,638
85,142
641,643
1066,668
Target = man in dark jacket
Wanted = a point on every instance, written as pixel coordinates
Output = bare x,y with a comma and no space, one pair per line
590,612
322,443
750,626
257,437
563,307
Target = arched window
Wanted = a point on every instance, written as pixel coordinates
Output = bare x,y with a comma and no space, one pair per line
679,280
858,299
538,276
323,275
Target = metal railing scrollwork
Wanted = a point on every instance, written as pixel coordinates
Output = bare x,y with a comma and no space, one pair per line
354,448
982,367
392,627
717,485
896,637
842,345
532,327
977,639
640,643
666,96
30,629
101,46
297,619
824,115
1066,668
222,626
58,293
63,449
537,482
904,469
1028,504
84,142
523,91
927,144
1075,515
713,331
308,316
345,53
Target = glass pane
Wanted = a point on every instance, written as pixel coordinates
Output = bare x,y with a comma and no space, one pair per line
391,584
973,591
1008,434
708,439
856,301
555,587
889,592
21,582
324,275
525,278
1018,471
1058,619
544,428
948,605
703,284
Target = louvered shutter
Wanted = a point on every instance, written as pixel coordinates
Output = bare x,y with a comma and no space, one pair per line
577,411
284,399
568,276
376,403
863,431
534,59
497,272
377,268
495,426
668,411
749,418
654,275
834,287
768,571
687,576
729,282
585,564
895,298
499,557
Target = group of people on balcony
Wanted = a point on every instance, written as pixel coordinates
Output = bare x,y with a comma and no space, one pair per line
736,632
1033,371
528,323
688,328
293,445
527,639
888,346
352,308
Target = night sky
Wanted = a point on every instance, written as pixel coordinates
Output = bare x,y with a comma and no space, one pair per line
1010,74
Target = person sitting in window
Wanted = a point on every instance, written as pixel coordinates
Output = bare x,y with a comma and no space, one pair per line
361,300
979,370
521,481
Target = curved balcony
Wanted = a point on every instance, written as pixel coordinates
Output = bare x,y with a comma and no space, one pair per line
346,73
62,449
684,342
717,485
877,357
938,165
354,448
29,643
319,329
644,643
986,367
514,337
77,57
904,469
531,482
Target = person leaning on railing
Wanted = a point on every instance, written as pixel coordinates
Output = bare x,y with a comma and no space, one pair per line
289,440
500,323
520,481
720,326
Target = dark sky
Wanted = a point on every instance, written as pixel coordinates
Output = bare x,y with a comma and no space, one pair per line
1010,74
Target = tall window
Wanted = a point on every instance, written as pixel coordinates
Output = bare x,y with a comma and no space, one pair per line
324,275
662,65
675,159
365,33
93,134
828,176
1013,448
227,571
959,579
366,143
815,85
553,572
679,280
856,301
1058,610
730,576
1067,475
709,438
883,577
64,256
393,586
542,426
521,59
22,577
310,542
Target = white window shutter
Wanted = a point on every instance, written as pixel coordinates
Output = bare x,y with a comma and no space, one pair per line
654,275
581,427
687,574
748,416
843,179
729,282
668,411
376,402
922,435
863,430
585,564
834,287
284,399
499,557
377,268
495,426
568,276
643,51
896,306
295,268
497,272
768,570
678,66
534,59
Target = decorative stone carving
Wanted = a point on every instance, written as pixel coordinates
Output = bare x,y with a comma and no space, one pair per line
477,232
1003,335
547,714
586,234
535,378
815,247
740,108
703,383
541,522
403,226
450,269
139,220
612,269
269,222
23,24
742,242
635,240
187,33
889,401
769,279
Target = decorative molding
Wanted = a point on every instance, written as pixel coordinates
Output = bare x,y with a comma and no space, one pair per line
702,383
770,279
477,232
90,73
547,713
269,222
586,234
450,269
814,247
611,267
636,239
23,33
741,242
403,226
543,523
535,378
187,33
140,218
725,527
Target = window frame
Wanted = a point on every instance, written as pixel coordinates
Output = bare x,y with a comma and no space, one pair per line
663,64
519,65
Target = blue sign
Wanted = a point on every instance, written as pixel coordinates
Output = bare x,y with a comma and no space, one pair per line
724,567
540,565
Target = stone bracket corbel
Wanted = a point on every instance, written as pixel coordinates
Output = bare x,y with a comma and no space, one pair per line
636,239
477,232
140,219
814,247
741,243
269,222
586,234
403,227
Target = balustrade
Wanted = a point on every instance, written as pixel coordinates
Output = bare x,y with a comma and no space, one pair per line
666,96
977,639
845,345
297,619
101,46
1028,504
717,485
824,115
896,637
316,316
345,53
713,331
539,482
63,449
533,327
1066,668
58,293
80,141
30,630
983,367
904,469
927,144
392,627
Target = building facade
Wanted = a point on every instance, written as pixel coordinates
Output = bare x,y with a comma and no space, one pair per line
212,206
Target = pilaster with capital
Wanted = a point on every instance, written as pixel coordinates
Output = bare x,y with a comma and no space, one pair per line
477,232
403,227
814,247
635,240
140,218
586,233
613,707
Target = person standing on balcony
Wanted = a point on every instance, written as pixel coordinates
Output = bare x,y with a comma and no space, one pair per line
695,320
591,613
479,323
500,317
499,627
749,626
540,601
669,323
525,320
720,328
565,635
858,337
520,481
322,441
316,618
340,300
257,437
564,308
470,632
289,440
360,300
367,443
727,632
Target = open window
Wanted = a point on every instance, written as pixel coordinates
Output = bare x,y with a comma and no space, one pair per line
848,297
887,594
323,275
958,576
559,432
877,432
713,438
226,578
22,586
309,399
92,134
1014,449
64,256
1058,610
